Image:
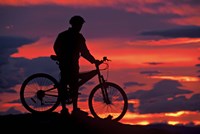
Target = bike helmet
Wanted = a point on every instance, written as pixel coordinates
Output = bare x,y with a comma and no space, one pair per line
76,20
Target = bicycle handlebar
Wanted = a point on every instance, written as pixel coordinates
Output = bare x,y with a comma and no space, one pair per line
106,59
99,62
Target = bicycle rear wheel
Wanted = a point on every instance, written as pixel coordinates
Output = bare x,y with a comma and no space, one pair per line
118,102
39,93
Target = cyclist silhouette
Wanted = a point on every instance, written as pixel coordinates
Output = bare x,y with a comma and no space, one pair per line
69,46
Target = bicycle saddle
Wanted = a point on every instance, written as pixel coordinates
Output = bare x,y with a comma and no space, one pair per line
54,57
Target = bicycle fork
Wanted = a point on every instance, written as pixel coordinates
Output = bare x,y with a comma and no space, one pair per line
104,90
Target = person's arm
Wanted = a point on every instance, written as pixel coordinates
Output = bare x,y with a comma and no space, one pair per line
85,53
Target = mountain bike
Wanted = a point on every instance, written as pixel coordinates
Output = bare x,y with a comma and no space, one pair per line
39,94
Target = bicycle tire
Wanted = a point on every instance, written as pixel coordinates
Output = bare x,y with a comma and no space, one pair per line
32,94
117,108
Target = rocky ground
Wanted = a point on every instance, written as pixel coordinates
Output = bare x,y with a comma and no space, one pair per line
57,123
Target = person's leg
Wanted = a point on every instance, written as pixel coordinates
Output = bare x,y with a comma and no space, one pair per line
62,91
62,88
74,89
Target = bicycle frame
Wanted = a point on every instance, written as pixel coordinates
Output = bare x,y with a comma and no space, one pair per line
86,76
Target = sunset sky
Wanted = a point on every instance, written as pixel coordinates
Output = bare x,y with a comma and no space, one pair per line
154,46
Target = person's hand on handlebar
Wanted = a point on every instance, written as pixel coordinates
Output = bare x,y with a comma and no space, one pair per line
98,62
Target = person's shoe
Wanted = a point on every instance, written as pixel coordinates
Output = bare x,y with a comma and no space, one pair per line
109,117
79,112
64,112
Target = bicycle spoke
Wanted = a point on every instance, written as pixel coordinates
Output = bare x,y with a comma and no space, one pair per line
117,99
39,93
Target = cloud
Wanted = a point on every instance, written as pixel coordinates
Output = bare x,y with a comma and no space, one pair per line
164,89
132,83
48,20
90,83
11,110
154,63
19,69
165,96
131,107
184,31
189,20
7,90
14,70
197,65
166,42
150,73
136,6
180,103
177,78
8,73
182,13
9,45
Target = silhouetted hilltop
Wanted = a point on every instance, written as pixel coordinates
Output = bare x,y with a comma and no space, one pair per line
55,122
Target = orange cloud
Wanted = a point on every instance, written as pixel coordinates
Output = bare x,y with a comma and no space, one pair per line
189,20
58,2
123,53
178,78
180,117
136,6
165,42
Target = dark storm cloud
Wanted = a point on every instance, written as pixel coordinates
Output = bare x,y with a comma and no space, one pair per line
150,73
19,68
132,83
9,45
83,97
190,2
41,64
166,96
11,110
184,31
198,71
131,107
197,65
179,103
90,83
8,76
154,63
164,89
7,90
101,22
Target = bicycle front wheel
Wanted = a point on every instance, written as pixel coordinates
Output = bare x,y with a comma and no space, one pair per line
39,93
117,106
